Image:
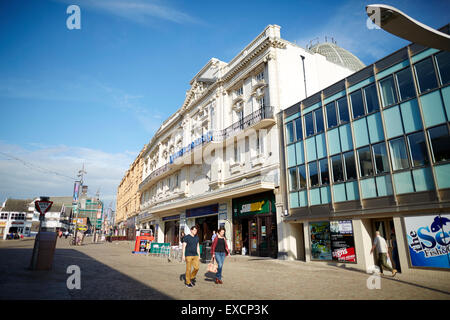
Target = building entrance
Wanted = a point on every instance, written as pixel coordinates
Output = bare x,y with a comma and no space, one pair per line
387,230
206,226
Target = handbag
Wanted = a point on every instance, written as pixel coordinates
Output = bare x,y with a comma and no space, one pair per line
212,266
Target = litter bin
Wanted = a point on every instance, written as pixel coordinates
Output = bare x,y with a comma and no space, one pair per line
205,253
46,251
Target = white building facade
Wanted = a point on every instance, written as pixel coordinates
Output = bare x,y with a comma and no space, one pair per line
215,162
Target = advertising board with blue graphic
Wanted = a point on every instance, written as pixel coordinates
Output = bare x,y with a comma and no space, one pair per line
429,240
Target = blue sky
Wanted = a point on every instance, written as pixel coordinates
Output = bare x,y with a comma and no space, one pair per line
98,94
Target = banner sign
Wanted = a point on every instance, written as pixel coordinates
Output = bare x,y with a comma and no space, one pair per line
320,240
76,190
207,137
429,240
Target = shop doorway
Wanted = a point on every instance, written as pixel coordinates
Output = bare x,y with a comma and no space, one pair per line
172,232
257,235
387,231
206,226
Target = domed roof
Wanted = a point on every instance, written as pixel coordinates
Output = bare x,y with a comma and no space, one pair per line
338,55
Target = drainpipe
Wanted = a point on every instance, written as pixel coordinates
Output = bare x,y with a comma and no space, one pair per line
304,74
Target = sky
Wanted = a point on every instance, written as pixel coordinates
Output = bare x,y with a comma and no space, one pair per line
96,95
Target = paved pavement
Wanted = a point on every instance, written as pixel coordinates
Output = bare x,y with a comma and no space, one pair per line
111,271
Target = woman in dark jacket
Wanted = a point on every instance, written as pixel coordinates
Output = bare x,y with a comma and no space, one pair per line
219,251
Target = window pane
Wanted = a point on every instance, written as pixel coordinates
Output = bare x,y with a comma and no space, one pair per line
388,94
290,132
398,154
371,98
298,129
338,173
350,166
365,162
405,84
313,174
309,124
440,143
380,158
331,115
324,176
293,185
302,176
357,104
443,63
418,149
343,110
425,75
319,120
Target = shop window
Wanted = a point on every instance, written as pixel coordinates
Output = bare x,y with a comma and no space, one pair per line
405,84
440,143
318,116
298,129
331,115
350,165
388,93
309,124
357,104
365,162
290,132
425,75
293,184
443,64
398,154
313,174
370,93
343,110
302,176
417,149
380,158
336,165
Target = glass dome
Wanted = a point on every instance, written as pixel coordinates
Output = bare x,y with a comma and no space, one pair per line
338,55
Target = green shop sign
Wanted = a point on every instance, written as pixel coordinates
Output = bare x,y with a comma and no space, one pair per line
250,206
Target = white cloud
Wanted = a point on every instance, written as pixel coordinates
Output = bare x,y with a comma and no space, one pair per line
47,170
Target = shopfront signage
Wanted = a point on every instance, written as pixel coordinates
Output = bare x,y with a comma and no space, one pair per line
429,240
202,211
175,217
207,137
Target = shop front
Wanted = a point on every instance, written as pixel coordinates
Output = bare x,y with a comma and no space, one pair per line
172,229
254,225
206,219
131,228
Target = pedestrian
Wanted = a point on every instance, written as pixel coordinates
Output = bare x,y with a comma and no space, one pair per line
213,236
380,243
219,251
191,254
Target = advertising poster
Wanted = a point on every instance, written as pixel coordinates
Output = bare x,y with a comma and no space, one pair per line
342,241
429,240
320,240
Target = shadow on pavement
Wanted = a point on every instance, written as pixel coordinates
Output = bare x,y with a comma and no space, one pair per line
98,281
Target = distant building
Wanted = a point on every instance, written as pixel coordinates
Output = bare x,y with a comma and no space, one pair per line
16,216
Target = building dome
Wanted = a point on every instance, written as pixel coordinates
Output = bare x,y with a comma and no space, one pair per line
338,55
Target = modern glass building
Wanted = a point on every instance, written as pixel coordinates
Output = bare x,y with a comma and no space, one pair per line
372,153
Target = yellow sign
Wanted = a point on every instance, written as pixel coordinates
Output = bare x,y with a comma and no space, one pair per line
251,207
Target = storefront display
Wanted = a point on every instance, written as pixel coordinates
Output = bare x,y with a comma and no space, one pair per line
429,240
332,240
172,229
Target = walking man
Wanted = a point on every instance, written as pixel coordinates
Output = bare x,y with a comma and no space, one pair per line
191,254
380,243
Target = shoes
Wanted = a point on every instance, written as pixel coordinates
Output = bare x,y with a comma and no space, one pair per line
394,272
218,281
193,282
189,285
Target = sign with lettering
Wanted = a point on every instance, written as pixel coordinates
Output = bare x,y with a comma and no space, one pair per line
43,206
429,240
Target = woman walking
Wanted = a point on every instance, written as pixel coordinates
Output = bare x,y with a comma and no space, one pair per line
219,251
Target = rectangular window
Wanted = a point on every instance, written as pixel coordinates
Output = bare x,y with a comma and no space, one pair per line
443,63
240,91
357,104
370,93
405,84
350,166
440,143
309,124
425,75
212,115
338,172
293,184
298,129
289,132
365,162
344,117
380,158
313,174
331,115
418,149
324,175
260,76
398,154
302,176
388,93
260,102
318,115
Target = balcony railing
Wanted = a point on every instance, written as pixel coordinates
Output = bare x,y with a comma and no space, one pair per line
155,174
